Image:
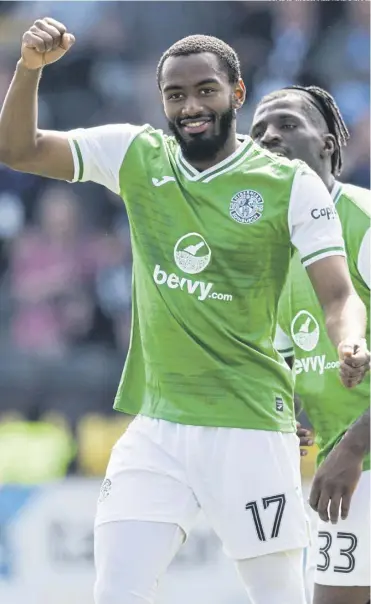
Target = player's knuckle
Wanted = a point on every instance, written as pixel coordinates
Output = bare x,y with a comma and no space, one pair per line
39,23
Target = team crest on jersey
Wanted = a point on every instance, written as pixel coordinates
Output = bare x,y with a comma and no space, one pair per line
246,206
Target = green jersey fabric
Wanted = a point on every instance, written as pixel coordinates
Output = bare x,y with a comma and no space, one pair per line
330,407
211,251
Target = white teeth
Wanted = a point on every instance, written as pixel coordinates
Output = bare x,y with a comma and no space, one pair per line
195,124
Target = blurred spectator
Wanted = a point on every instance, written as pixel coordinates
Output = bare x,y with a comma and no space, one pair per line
50,271
34,450
357,166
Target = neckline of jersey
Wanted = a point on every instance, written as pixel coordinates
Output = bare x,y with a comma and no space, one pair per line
336,192
220,168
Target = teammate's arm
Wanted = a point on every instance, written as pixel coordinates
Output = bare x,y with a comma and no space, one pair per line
316,232
22,146
338,476
357,437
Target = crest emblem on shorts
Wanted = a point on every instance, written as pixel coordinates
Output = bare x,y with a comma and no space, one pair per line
104,490
246,206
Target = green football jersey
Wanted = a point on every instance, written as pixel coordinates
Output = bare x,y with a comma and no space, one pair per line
211,251
330,407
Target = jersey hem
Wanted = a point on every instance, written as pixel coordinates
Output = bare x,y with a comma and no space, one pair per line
202,421
286,352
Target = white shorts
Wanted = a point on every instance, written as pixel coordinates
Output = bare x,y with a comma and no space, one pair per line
247,483
340,553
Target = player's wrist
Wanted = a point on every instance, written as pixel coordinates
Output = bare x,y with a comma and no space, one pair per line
22,66
351,444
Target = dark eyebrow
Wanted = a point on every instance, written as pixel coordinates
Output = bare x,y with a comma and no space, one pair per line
280,117
257,124
201,83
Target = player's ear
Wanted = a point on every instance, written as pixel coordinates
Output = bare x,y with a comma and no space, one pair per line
329,145
239,94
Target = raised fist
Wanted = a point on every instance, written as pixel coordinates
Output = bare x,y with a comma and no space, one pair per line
45,42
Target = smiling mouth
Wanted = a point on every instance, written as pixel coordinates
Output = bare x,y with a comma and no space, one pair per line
195,126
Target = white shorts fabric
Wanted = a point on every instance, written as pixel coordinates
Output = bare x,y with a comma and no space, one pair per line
340,553
247,483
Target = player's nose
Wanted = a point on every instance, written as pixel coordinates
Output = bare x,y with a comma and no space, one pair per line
270,136
192,107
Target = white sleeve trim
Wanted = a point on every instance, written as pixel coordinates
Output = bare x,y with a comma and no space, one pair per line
314,225
363,263
326,254
283,343
98,153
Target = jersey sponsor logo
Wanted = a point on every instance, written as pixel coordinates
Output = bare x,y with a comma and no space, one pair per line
159,182
202,289
329,212
192,254
305,331
246,206
317,364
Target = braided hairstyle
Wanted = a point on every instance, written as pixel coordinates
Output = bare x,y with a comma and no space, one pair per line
325,103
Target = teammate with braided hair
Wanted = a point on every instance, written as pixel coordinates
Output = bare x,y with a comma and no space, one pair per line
305,123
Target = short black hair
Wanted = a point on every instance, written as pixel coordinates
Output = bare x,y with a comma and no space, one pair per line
198,44
325,104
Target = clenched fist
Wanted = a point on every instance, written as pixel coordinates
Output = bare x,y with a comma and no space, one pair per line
45,42
354,361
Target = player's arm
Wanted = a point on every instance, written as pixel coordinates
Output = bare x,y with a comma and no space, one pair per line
22,146
357,437
316,232
92,154
345,315
338,476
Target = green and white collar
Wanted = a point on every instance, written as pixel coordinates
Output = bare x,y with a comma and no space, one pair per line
241,153
336,191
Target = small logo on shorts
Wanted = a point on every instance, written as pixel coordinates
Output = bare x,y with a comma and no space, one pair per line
246,206
104,490
279,403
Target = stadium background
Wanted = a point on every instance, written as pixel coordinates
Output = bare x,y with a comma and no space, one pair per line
65,264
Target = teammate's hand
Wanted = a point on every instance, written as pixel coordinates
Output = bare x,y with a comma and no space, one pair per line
305,438
45,42
335,482
354,362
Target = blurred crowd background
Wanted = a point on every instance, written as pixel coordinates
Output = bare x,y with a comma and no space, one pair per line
65,261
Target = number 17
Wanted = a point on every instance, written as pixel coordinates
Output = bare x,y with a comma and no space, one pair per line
253,506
